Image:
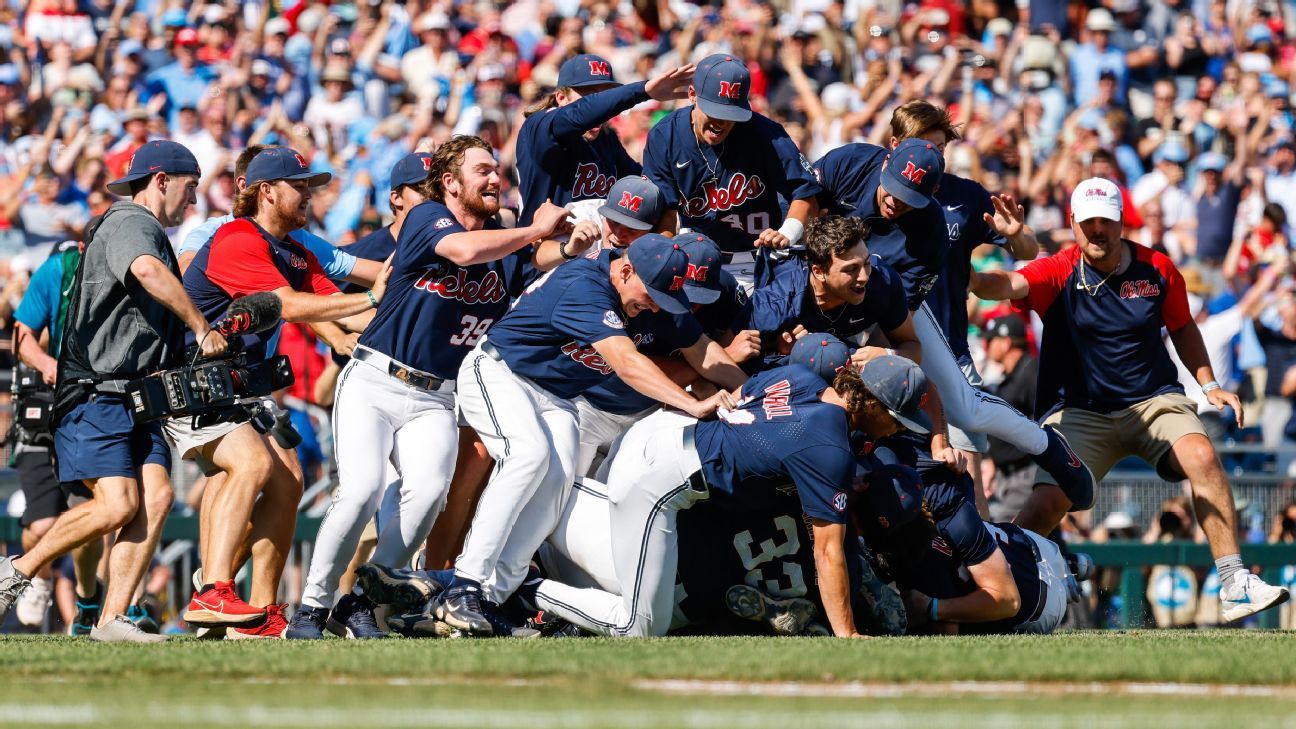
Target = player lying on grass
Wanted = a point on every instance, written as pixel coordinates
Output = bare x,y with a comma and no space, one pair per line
953,567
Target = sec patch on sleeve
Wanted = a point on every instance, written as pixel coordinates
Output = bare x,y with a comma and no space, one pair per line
613,320
443,223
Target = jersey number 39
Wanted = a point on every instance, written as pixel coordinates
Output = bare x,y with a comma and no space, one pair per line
473,329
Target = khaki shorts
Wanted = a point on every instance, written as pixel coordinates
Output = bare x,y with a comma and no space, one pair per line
188,439
1147,430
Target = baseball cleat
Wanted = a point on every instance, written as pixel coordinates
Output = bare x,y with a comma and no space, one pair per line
1065,466
404,590
787,616
418,625
1247,594
220,605
461,607
552,626
307,623
274,626
353,617
884,612
502,626
12,584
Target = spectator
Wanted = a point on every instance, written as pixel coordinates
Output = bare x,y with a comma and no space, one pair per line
1013,474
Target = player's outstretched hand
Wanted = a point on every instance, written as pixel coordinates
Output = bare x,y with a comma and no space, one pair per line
745,345
770,238
1221,397
380,281
1009,218
671,85
213,343
550,220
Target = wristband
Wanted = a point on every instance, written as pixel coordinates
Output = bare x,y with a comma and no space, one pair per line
562,251
792,229
372,300
931,609
1212,385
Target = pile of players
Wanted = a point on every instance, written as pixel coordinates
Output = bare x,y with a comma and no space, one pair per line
645,408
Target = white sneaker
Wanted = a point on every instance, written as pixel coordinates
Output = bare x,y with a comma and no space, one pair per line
34,603
1247,594
121,630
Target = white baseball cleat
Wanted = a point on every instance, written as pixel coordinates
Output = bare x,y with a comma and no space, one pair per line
788,616
1247,594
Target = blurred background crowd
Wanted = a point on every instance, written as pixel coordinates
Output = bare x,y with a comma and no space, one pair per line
1186,104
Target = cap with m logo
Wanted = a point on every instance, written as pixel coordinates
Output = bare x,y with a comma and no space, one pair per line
585,70
913,172
635,202
722,84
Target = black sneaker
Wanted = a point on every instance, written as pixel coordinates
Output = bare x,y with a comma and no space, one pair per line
87,612
1062,463
404,590
143,620
353,617
502,626
552,626
461,607
307,624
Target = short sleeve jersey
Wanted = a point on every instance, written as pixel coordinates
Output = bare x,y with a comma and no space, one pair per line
547,336
337,264
40,304
916,244
655,334
241,259
556,163
435,311
1103,351
963,202
730,192
781,431
789,300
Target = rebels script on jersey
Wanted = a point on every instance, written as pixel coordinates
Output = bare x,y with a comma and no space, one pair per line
548,334
790,301
556,163
730,193
656,335
435,311
916,244
782,431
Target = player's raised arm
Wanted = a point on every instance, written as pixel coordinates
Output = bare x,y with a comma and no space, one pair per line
999,285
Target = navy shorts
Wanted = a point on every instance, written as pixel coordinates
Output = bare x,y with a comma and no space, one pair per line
99,438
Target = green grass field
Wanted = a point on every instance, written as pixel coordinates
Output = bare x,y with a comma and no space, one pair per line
1137,679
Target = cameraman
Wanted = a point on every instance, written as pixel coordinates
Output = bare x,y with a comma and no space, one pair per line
252,254
42,309
126,318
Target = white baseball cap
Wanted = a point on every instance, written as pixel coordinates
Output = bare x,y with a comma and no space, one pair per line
1096,198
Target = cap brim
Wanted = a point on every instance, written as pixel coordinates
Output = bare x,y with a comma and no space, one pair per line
1104,214
918,422
314,179
592,82
904,194
610,212
669,303
122,187
699,294
724,112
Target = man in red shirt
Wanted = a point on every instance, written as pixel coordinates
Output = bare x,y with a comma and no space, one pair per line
1108,384
263,482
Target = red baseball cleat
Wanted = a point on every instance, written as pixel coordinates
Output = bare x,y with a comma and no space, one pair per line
274,626
221,605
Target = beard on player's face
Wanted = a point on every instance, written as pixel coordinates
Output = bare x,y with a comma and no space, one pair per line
292,203
1099,238
480,196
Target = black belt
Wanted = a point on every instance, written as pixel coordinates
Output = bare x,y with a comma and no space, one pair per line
490,350
696,481
407,375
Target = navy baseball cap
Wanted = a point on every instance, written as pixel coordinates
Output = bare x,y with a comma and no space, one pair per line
889,494
901,387
586,69
283,163
722,84
160,156
1007,325
823,353
702,282
913,172
662,265
635,202
411,169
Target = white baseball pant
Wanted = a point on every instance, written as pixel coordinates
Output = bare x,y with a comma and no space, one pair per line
578,553
599,429
966,407
652,478
1053,573
534,438
378,420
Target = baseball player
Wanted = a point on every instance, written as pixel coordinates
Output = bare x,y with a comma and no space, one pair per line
1107,380
990,578
972,217
564,336
563,152
452,277
892,192
788,426
724,168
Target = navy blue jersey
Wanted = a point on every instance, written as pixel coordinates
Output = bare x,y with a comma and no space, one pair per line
789,300
555,162
548,335
435,311
655,334
718,318
376,246
1102,351
963,202
780,432
730,192
916,244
